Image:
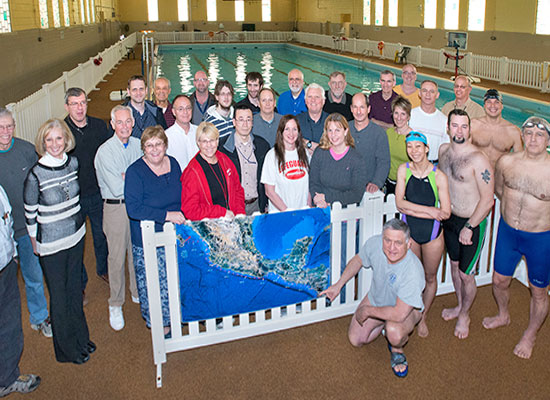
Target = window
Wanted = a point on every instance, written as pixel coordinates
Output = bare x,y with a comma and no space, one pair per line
5,21
153,10
55,12
476,15
211,14
430,13
82,11
543,18
451,14
392,12
378,12
266,10
366,12
88,20
239,10
43,10
66,18
183,12
93,11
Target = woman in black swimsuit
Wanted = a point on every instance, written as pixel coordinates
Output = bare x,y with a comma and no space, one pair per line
422,196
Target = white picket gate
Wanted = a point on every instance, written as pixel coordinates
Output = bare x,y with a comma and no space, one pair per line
371,215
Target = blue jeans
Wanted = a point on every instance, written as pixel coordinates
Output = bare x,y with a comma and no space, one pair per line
34,280
92,207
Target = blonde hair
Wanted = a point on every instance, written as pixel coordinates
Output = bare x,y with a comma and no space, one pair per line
324,143
207,129
45,130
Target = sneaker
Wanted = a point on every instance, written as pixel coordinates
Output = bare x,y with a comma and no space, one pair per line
45,327
23,384
116,318
135,300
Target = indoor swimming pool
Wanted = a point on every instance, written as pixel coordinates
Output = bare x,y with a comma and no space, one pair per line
232,61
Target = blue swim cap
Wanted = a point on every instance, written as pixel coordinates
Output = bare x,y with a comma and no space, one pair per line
416,136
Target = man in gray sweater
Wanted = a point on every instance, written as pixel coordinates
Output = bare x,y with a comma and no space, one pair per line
371,142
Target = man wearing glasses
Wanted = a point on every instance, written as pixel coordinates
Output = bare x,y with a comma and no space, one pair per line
247,152
293,101
89,133
462,100
522,182
201,99
182,141
408,88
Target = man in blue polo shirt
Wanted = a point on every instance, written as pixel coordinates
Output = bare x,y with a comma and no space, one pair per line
312,121
293,101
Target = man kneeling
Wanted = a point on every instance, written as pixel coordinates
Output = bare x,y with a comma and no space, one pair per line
393,305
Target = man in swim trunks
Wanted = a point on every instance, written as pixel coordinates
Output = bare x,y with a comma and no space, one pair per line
522,182
471,187
492,134
394,301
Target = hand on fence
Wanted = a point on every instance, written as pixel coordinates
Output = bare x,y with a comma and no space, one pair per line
175,217
330,292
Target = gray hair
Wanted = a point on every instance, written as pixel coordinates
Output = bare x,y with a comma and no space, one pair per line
164,79
398,225
4,112
121,108
74,92
387,72
531,120
316,86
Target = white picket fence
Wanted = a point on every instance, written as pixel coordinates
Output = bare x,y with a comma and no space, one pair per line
48,102
529,74
371,214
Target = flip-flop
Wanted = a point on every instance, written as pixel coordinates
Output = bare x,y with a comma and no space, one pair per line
398,359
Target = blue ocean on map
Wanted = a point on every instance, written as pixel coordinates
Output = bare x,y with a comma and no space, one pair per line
229,267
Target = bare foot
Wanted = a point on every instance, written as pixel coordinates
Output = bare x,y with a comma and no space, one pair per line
524,348
462,328
422,329
450,313
496,321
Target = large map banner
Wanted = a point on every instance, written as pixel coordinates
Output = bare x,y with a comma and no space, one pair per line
247,264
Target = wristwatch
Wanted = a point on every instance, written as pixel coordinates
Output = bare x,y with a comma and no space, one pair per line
309,144
467,225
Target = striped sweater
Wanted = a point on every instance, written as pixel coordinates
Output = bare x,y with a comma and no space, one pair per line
52,206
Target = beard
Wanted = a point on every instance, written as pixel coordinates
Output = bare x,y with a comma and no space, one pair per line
458,141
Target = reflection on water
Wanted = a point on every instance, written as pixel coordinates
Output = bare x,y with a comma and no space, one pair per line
240,75
185,74
267,66
214,72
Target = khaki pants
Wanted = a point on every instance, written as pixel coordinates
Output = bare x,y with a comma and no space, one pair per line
116,227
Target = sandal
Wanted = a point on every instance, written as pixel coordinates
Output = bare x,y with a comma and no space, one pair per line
398,359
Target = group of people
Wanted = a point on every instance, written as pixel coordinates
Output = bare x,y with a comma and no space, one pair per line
205,156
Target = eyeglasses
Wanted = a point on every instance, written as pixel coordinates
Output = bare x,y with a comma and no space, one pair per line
208,141
7,127
151,146
540,125
201,80
77,103
180,109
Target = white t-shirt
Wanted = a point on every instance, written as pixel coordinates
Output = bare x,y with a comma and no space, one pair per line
291,185
434,126
182,146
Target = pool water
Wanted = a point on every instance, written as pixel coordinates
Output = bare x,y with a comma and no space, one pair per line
232,62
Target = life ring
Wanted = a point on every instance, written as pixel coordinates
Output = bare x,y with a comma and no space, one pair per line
98,61
381,47
211,34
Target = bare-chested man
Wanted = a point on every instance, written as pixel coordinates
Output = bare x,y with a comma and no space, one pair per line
522,182
471,187
492,134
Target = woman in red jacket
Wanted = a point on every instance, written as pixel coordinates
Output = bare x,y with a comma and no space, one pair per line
211,187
